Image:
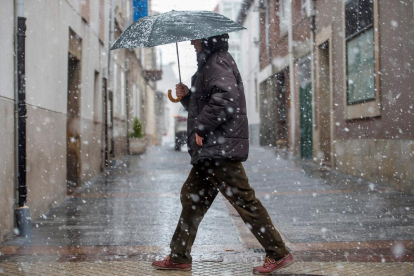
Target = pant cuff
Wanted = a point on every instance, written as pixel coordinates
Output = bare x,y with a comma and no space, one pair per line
180,260
278,255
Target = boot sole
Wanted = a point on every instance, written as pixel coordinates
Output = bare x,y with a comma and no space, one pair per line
171,268
270,273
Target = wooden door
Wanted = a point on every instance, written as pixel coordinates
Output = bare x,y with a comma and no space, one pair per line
305,109
73,142
324,99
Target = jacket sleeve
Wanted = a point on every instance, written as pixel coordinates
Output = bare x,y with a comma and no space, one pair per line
185,101
224,101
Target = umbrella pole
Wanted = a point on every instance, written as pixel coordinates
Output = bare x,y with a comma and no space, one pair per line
179,73
178,58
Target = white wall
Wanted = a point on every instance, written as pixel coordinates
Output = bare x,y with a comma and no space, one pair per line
250,62
168,81
232,11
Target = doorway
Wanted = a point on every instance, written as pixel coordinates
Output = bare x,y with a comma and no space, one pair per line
305,109
282,80
73,138
267,128
105,148
73,124
324,102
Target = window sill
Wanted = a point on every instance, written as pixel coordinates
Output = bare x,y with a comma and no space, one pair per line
363,110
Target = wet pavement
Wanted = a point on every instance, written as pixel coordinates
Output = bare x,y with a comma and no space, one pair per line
123,219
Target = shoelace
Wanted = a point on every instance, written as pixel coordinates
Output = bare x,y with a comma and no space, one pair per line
269,261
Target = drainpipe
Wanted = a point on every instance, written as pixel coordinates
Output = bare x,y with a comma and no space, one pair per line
292,78
22,212
111,81
127,103
313,65
267,29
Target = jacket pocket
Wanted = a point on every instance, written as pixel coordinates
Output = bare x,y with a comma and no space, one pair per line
192,142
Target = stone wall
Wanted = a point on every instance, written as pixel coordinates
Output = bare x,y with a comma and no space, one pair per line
386,162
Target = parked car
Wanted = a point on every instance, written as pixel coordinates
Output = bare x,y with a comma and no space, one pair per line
180,128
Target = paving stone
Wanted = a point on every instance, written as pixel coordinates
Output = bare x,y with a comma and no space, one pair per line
124,219
203,268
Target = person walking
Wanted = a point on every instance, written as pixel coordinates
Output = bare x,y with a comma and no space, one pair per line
218,141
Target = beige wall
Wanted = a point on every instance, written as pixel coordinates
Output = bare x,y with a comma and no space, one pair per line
46,159
7,149
386,162
7,168
7,46
47,46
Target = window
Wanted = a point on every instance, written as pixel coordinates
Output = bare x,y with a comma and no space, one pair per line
267,25
102,21
228,10
359,19
85,10
96,98
256,93
122,93
235,52
128,10
305,6
283,15
136,101
115,87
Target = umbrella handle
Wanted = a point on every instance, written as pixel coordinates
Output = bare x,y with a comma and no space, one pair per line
171,97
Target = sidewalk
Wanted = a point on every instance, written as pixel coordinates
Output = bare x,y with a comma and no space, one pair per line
124,219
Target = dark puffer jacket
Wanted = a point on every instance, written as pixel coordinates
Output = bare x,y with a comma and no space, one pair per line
216,107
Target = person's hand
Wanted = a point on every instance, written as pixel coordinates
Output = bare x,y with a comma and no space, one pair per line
199,140
181,90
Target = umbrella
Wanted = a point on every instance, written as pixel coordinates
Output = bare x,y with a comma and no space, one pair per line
174,26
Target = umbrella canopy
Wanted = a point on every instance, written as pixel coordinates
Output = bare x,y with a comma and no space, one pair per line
174,26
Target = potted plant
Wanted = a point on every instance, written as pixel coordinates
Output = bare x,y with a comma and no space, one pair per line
137,141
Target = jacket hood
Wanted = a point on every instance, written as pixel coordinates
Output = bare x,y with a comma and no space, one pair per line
211,45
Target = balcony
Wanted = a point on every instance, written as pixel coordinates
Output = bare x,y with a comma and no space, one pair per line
152,75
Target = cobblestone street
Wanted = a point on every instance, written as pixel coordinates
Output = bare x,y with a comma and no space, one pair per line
122,220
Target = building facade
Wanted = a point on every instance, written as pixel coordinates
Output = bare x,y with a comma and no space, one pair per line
335,88
231,9
244,47
284,79
78,108
250,64
364,98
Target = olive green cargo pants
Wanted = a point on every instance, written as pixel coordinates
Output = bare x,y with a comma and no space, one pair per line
198,193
